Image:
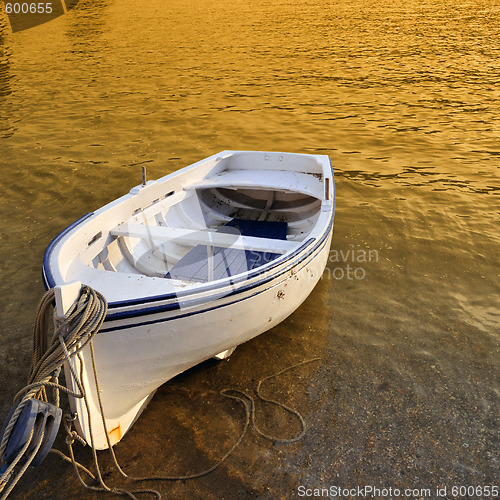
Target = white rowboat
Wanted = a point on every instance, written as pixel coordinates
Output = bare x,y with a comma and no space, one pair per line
192,265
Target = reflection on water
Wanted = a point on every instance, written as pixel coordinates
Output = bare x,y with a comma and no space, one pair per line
87,25
403,97
4,69
5,90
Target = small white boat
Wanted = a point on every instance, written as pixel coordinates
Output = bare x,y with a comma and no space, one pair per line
192,265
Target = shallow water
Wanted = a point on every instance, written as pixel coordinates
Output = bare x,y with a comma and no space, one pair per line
404,97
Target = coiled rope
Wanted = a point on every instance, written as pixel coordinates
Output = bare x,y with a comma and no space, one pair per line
72,334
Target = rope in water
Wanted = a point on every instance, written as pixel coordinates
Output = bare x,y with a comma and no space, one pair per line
249,405
73,333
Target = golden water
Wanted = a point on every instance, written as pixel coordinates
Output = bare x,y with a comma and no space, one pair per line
403,96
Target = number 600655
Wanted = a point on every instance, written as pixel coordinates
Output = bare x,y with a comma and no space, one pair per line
28,8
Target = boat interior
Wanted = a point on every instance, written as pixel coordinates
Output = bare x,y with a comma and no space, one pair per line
209,232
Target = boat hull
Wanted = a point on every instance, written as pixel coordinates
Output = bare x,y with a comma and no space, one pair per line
135,355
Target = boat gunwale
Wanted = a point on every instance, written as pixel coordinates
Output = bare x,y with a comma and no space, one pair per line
47,275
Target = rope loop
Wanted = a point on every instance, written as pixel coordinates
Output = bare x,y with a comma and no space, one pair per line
71,438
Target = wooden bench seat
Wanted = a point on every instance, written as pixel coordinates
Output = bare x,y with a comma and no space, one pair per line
229,239
204,263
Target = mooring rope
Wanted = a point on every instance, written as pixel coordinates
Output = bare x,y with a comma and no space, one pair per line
71,334
249,405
